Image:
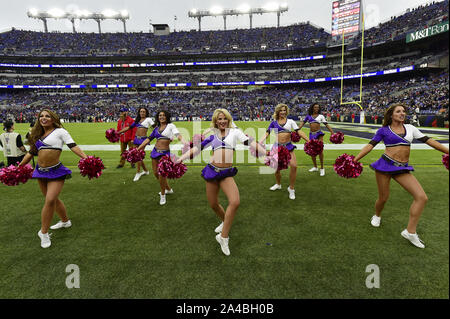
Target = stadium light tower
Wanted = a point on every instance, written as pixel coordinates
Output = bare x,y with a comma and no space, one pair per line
80,14
243,9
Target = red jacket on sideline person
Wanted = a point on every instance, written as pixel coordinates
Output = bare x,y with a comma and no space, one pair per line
128,135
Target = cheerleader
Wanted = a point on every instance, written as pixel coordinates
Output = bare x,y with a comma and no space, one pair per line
46,141
164,131
393,164
142,123
282,126
219,173
314,118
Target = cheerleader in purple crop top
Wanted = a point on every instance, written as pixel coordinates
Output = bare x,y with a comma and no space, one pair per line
218,174
393,164
164,131
142,123
315,118
46,141
282,126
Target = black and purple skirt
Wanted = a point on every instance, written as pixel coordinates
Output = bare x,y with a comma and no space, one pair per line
390,166
291,147
156,154
58,171
315,135
212,173
138,140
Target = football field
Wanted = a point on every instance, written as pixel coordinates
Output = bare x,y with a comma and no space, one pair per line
320,245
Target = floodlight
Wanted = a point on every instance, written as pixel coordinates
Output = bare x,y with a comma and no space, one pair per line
193,11
56,13
33,12
109,13
244,8
283,6
124,13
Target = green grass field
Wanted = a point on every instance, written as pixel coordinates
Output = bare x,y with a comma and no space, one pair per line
318,246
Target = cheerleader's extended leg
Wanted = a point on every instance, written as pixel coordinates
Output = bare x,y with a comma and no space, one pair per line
293,170
212,194
321,154
412,186
383,184
229,187
51,190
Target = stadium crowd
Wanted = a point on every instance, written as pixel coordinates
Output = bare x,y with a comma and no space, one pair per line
429,93
302,35
399,26
56,43
143,80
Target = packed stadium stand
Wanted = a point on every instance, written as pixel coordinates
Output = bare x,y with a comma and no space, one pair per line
90,76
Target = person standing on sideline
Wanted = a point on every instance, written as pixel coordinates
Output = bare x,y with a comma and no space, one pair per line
141,123
12,144
126,139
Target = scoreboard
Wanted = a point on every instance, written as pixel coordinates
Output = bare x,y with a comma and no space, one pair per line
346,17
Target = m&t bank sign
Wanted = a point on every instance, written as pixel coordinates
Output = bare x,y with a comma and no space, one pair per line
428,32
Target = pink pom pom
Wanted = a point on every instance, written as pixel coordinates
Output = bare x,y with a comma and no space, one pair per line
112,135
445,160
278,158
168,168
134,155
178,170
165,166
346,167
313,147
337,138
14,175
295,137
24,173
91,167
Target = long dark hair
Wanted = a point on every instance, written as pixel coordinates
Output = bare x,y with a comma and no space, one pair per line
138,116
311,108
387,120
166,113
